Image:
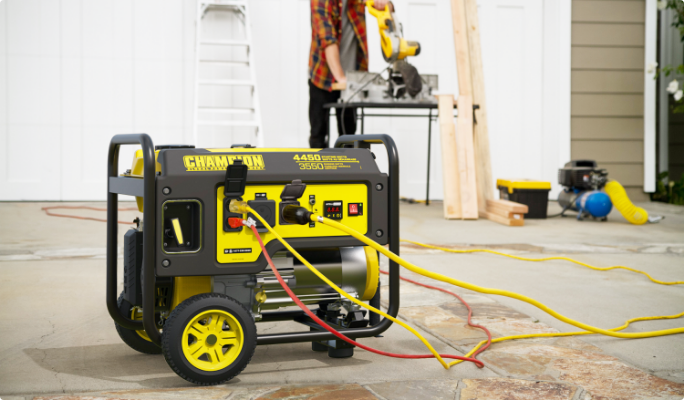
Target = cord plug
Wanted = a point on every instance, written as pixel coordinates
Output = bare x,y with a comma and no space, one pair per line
235,222
296,214
238,206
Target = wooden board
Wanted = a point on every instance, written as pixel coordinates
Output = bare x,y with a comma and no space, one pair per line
508,206
483,166
502,220
339,86
466,158
504,213
450,173
460,29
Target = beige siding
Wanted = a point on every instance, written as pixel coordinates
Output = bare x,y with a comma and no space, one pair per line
610,151
592,128
608,11
615,58
607,82
626,174
597,34
607,105
607,88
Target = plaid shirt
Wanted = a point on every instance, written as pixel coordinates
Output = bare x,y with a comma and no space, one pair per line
326,28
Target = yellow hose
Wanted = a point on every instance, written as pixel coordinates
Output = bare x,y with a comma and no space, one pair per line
559,334
427,344
618,196
429,246
469,286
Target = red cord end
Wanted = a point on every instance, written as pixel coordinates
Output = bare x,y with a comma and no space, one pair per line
235,222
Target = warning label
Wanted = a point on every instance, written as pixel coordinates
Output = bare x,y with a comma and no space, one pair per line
324,162
236,251
220,163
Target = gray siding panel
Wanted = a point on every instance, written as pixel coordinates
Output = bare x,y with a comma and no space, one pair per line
597,58
607,102
607,128
610,151
601,34
607,105
608,82
626,174
608,11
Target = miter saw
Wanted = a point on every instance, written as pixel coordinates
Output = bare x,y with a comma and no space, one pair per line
404,83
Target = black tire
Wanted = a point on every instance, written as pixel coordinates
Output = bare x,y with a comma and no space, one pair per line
131,337
172,338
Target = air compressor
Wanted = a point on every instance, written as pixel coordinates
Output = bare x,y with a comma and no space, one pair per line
582,191
196,285
588,191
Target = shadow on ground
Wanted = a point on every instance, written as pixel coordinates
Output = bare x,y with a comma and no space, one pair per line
152,371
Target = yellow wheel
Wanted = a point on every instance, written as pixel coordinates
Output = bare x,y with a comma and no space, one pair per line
137,340
209,338
212,340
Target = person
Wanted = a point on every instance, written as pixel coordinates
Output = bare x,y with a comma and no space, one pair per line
338,44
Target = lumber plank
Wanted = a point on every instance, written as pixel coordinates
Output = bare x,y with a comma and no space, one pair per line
460,29
507,205
339,86
466,158
505,213
450,174
483,166
502,220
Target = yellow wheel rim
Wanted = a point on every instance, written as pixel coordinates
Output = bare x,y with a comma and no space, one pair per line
212,340
136,315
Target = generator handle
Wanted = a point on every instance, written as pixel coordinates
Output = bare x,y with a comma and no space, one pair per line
365,141
148,194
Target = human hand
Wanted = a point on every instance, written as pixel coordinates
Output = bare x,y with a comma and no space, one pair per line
380,4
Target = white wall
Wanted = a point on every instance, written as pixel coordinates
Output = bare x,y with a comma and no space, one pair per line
75,72
78,72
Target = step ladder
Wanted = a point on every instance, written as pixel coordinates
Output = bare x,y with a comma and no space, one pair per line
226,109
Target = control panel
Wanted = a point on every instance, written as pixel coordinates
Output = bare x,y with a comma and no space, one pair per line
334,201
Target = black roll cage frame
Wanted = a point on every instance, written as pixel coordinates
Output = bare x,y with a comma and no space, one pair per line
146,187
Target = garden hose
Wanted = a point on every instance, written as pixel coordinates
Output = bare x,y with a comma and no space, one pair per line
498,253
618,196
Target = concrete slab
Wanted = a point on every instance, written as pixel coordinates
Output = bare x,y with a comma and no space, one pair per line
56,336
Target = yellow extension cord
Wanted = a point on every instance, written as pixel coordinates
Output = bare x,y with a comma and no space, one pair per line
242,207
542,259
247,209
537,335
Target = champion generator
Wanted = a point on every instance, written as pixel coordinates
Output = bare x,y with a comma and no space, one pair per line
197,279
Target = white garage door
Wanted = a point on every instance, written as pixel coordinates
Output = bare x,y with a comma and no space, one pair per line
74,73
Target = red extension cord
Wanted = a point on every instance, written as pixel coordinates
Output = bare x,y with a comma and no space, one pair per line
470,311
328,328
47,211
302,306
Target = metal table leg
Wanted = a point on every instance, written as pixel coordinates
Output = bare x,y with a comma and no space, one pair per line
362,119
427,191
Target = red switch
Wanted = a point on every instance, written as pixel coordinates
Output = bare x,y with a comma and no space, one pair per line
355,209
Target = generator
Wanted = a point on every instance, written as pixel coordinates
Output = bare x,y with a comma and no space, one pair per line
195,284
